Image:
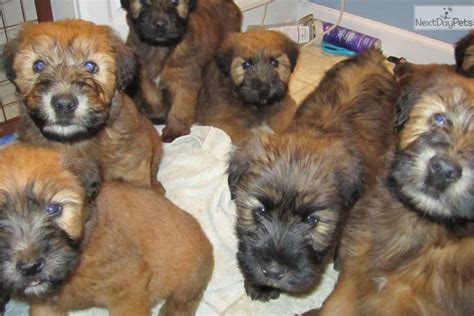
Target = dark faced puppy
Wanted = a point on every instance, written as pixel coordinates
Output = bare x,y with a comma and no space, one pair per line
43,211
247,87
69,76
464,54
408,245
174,40
292,191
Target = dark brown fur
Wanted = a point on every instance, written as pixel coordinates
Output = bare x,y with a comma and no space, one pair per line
464,54
292,191
105,125
408,246
135,248
239,100
178,66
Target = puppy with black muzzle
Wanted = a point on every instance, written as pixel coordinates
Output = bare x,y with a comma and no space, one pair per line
247,87
174,40
293,191
408,245
69,76
63,249
464,54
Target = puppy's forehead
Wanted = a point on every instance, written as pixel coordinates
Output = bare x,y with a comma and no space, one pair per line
39,172
137,6
262,43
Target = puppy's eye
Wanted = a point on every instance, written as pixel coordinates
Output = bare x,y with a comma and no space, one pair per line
247,64
440,119
311,220
260,210
174,2
54,209
274,62
91,67
39,65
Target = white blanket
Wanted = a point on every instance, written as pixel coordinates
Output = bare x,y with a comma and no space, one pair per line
193,171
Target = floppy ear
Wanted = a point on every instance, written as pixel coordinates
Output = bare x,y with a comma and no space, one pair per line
125,4
88,171
224,59
238,165
292,50
460,53
9,51
350,180
192,5
125,61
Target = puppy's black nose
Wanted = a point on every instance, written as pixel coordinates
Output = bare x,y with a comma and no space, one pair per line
444,171
30,267
274,271
64,103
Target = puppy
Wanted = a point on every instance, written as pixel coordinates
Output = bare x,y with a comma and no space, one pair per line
174,40
247,86
125,252
408,245
293,191
69,76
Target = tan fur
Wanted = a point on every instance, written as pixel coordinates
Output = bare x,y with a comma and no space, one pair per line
178,69
398,260
141,249
219,106
128,147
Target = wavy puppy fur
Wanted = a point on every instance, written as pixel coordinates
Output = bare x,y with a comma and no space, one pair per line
174,41
247,86
408,246
126,250
70,76
293,191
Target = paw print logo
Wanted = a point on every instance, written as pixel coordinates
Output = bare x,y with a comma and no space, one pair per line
446,12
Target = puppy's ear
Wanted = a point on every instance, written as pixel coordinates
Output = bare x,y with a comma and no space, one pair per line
238,165
292,50
192,5
350,181
224,59
9,53
125,61
88,171
125,4
460,54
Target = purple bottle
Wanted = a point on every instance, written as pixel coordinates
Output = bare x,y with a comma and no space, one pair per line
349,39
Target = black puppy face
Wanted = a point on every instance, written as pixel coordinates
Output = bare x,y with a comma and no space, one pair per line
259,64
67,73
43,211
434,165
159,22
290,195
464,54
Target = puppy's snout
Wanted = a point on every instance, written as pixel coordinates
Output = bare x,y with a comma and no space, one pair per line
31,266
64,103
444,171
274,271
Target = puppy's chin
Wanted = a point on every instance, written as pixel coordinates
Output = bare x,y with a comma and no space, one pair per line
72,131
299,263
409,180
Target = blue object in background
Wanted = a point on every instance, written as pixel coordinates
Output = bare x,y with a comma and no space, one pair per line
7,139
336,50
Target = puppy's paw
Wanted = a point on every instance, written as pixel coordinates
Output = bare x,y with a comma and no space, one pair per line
170,133
261,293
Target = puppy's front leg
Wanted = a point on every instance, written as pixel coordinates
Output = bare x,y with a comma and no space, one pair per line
184,92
